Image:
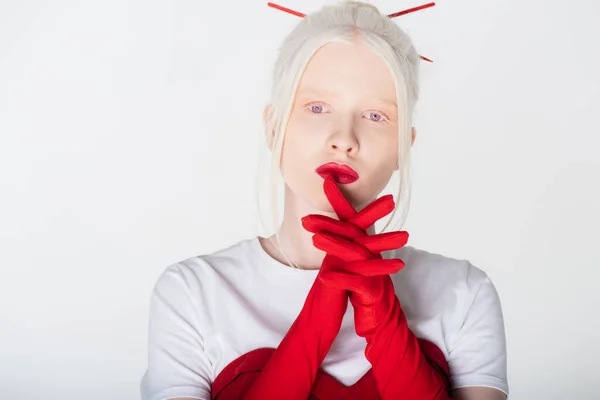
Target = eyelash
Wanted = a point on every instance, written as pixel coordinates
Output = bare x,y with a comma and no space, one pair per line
384,118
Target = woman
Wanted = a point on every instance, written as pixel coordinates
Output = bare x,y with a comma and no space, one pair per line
270,317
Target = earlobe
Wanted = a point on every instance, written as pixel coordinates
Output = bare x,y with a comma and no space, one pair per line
266,112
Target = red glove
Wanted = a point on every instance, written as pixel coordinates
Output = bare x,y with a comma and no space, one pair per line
288,372
399,365
291,370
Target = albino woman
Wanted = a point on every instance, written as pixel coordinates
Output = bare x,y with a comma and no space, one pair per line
326,307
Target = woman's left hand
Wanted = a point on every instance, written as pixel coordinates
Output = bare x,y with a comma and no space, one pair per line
403,366
364,270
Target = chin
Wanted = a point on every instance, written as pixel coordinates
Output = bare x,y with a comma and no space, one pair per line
318,201
309,189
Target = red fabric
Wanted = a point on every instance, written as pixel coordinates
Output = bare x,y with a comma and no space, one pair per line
399,365
237,377
352,266
291,370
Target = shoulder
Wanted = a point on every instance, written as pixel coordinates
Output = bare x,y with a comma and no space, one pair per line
205,273
456,305
224,260
436,287
436,272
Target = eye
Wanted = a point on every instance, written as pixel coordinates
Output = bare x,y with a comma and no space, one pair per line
316,108
377,117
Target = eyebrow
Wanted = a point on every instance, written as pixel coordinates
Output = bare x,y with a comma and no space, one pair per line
333,93
327,92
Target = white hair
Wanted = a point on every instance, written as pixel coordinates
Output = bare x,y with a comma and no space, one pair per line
345,23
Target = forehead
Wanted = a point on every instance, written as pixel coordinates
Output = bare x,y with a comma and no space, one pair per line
346,68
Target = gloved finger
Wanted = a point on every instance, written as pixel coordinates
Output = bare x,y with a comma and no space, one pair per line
366,290
373,304
373,267
373,212
340,247
383,241
336,198
317,223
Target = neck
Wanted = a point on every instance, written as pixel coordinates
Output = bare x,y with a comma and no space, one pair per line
294,241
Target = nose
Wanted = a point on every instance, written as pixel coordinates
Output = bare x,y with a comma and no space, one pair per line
344,143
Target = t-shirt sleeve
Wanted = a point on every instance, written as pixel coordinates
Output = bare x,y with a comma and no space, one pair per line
177,363
477,356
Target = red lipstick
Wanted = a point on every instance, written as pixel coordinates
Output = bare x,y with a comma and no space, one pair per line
340,173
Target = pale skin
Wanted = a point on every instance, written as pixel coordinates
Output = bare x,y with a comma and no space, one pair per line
344,111
353,89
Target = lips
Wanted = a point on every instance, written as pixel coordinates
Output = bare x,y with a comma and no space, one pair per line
340,173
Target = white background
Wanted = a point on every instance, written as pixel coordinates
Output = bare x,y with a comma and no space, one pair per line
129,136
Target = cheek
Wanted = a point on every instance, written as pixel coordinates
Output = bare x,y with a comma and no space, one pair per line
382,158
309,126
382,148
391,145
296,152
302,139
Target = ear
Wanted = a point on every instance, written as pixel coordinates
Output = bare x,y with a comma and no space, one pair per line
266,116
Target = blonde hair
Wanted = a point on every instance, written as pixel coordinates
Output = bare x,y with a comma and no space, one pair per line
342,23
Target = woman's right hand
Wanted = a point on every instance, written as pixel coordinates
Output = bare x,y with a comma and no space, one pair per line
290,371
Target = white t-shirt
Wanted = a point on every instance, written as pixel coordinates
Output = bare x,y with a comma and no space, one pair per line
208,310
